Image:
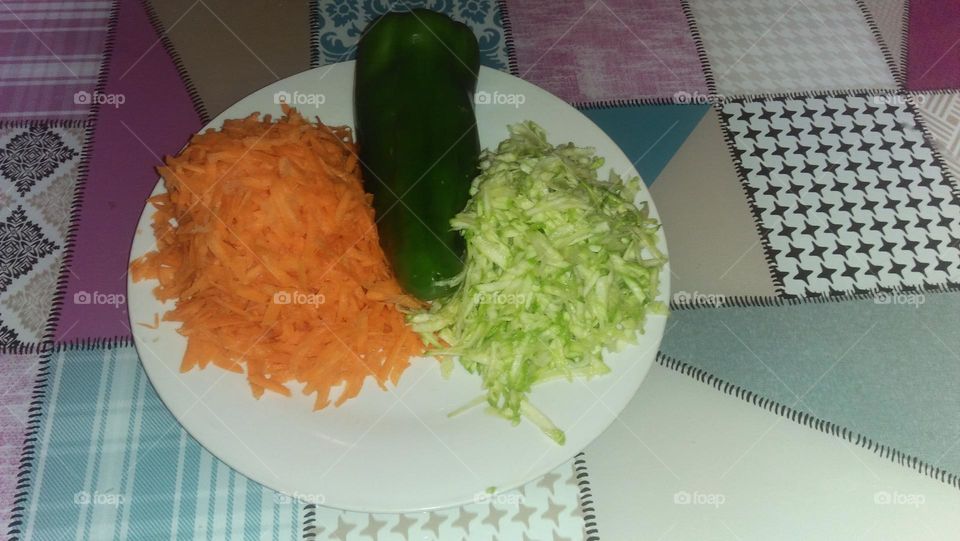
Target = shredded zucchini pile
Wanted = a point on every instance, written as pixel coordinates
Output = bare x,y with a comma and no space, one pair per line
560,265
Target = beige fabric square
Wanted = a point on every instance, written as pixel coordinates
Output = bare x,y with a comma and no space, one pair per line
888,16
230,49
714,245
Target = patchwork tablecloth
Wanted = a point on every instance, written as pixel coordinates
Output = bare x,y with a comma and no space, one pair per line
804,156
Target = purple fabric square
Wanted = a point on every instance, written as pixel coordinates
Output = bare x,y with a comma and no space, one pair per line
156,118
933,45
52,53
588,51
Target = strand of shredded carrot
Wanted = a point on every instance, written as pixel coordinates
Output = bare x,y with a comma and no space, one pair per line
268,243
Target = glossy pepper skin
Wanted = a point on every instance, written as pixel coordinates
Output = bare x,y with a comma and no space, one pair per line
416,73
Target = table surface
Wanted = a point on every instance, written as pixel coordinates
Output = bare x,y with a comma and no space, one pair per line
804,156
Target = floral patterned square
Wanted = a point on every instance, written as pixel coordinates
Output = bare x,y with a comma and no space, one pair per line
39,167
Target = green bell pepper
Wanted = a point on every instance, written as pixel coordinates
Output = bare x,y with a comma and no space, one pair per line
416,73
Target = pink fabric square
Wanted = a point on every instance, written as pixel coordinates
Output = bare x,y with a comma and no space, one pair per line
594,50
17,379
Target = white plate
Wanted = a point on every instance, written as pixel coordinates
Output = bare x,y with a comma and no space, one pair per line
390,451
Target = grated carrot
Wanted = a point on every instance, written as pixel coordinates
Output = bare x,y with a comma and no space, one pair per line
268,243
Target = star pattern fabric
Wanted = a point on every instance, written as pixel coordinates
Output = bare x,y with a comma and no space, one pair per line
538,510
847,194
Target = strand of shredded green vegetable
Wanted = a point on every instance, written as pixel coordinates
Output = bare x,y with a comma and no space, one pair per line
560,266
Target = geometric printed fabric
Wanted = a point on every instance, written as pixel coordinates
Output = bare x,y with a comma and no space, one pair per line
847,194
774,46
941,113
39,165
33,155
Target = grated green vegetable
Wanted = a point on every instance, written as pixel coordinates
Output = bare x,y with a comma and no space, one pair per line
560,266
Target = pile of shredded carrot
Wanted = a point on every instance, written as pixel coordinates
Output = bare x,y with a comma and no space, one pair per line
267,242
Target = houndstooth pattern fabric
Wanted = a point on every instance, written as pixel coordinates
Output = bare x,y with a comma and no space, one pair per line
774,46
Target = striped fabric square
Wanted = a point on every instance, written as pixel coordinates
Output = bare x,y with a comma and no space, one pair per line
51,58
109,461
